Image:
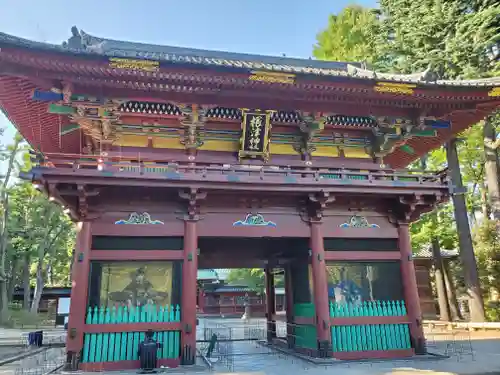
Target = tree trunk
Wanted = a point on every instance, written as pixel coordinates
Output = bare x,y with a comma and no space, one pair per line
39,282
4,300
444,309
26,281
485,205
491,168
13,278
452,293
47,244
476,306
37,295
4,202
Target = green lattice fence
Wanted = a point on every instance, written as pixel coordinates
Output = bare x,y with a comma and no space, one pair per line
369,337
122,346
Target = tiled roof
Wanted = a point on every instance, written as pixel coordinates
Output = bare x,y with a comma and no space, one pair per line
213,274
427,253
229,288
123,49
92,45
208,274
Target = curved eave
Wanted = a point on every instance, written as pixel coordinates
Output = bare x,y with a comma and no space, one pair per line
26,68
39,128
41,56
460,121
105,48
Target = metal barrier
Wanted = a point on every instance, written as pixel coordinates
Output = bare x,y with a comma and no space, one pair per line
42,363
233,345
442,340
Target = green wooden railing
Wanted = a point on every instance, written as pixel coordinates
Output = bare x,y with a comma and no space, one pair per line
369,337
122,346
338,176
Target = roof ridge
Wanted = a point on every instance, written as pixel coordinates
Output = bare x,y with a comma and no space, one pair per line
81,43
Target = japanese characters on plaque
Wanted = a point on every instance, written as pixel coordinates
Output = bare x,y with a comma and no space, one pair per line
256,127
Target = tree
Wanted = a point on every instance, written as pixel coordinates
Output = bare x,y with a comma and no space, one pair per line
40,232
36,237
253,278
352,35
452,38
10,155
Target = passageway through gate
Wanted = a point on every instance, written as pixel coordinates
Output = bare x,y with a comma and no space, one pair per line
242,346
233,341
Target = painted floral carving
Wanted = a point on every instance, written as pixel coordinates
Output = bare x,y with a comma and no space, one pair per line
356,221
254,220
139,219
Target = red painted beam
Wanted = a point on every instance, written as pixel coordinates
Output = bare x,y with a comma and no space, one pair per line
364,320
136,254
374,354
362,255
124,365
132,327
304,320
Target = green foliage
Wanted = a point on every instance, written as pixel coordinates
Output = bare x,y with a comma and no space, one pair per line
352,35
33,217
451,37
250,277
34,230
253,278
487,248
454,39
19,318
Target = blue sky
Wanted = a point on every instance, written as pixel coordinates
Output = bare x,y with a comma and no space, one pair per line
268,27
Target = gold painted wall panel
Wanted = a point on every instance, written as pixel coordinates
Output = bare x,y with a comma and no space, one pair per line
213,145
282,149
167,143
351,152
133,140
328,151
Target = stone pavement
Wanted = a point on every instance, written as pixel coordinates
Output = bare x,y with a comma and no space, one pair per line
481,355
41,363
475,353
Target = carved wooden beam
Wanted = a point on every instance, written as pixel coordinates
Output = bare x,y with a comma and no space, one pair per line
193,120
75,192
322,198
193,196
312,209
408,209
54,195
83,207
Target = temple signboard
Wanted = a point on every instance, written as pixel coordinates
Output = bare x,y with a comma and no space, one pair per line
256,126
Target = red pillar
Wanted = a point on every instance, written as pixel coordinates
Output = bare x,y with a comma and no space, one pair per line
320,286
410,289
79,295
270,305
189,286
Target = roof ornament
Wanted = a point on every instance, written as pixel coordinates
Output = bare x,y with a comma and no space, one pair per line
80,40
429,75
75,42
